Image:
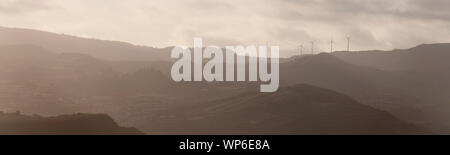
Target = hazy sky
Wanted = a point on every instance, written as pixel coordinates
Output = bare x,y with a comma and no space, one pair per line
372,24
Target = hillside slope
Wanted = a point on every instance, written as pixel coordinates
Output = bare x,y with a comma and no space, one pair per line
298,109
420,58
77,124
422,79
102,49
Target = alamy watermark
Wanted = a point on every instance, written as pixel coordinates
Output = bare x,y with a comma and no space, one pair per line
257,62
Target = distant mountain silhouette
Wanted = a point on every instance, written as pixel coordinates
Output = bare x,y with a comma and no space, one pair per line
298,109
423,74
412,84
74,71
39,81
77,124
327,71
35,80
421,58
394,92
59,43
53,74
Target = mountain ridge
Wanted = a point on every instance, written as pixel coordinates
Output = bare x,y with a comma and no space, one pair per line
76,124
297,109
103,49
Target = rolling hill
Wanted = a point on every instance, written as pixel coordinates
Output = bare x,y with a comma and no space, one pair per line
424,72
425,57
53,74
102,49
411,84
297,109
77,124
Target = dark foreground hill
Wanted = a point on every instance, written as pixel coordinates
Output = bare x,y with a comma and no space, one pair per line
298,109
77,124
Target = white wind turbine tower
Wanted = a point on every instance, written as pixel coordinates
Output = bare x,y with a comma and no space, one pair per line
300,47
348,43
312,47
331,45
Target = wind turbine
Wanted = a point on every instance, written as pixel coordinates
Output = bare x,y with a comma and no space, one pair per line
331,45
300,47
348,43
312,47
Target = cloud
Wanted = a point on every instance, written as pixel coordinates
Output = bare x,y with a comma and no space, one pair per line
22,6
380,24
